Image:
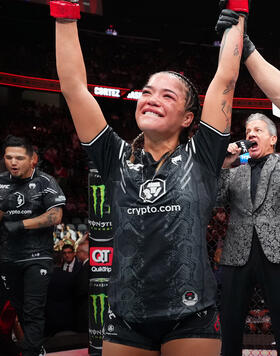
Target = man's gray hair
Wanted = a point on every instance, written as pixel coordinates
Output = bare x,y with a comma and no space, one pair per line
270,124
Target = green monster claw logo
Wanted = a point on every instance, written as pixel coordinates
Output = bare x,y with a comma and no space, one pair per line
101,297
101,189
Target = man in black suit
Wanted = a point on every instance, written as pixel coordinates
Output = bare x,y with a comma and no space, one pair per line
70,261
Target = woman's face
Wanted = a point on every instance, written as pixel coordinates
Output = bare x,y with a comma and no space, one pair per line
161,108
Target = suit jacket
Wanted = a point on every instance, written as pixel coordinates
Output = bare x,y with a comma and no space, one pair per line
76,267
264,214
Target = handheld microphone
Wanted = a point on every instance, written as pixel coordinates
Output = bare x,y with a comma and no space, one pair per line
244,145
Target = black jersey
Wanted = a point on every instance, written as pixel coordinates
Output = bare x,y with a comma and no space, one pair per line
25,199
160,268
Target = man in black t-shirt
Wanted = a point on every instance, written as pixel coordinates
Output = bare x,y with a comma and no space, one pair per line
30,205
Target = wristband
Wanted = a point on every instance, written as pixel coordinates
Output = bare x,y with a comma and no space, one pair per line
65,10
238,5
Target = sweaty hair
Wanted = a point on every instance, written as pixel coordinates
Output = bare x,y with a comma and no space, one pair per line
14,141
270,124
191,104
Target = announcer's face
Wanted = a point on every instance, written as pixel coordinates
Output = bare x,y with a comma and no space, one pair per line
18,162
257,132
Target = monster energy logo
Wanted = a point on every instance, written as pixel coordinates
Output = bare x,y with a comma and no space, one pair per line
101,298
101,190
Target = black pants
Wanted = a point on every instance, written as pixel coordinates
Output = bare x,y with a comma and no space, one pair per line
237,288
27,284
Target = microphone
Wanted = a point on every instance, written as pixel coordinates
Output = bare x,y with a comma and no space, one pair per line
244,145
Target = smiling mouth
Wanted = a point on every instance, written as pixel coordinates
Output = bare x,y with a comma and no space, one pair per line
152,113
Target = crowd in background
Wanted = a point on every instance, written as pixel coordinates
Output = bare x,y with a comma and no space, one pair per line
130,60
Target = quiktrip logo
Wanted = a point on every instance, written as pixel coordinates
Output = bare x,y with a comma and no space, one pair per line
101,256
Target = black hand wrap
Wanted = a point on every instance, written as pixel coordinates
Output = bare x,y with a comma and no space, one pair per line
229,18
14,227
248,47
226,19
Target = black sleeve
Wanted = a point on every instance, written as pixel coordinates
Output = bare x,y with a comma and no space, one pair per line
105,151
53,195
210,147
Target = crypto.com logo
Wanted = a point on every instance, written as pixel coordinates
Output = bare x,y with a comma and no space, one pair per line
152,190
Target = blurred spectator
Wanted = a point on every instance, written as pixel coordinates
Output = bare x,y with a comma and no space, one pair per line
82,252
71,232
70,261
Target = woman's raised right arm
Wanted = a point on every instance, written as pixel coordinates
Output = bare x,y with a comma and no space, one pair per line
86,113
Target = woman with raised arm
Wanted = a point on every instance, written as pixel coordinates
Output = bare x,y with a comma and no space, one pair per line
162,291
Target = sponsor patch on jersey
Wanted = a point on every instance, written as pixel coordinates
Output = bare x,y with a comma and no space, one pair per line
43,272
4,186
190,298
152,190
136,167
101,256
32,185
20,199
60,198
176,159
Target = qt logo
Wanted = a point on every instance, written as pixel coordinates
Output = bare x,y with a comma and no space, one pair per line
101,256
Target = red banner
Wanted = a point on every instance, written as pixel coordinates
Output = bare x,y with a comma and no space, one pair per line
52,85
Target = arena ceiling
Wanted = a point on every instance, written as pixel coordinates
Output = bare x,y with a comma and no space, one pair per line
176,20
191,20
